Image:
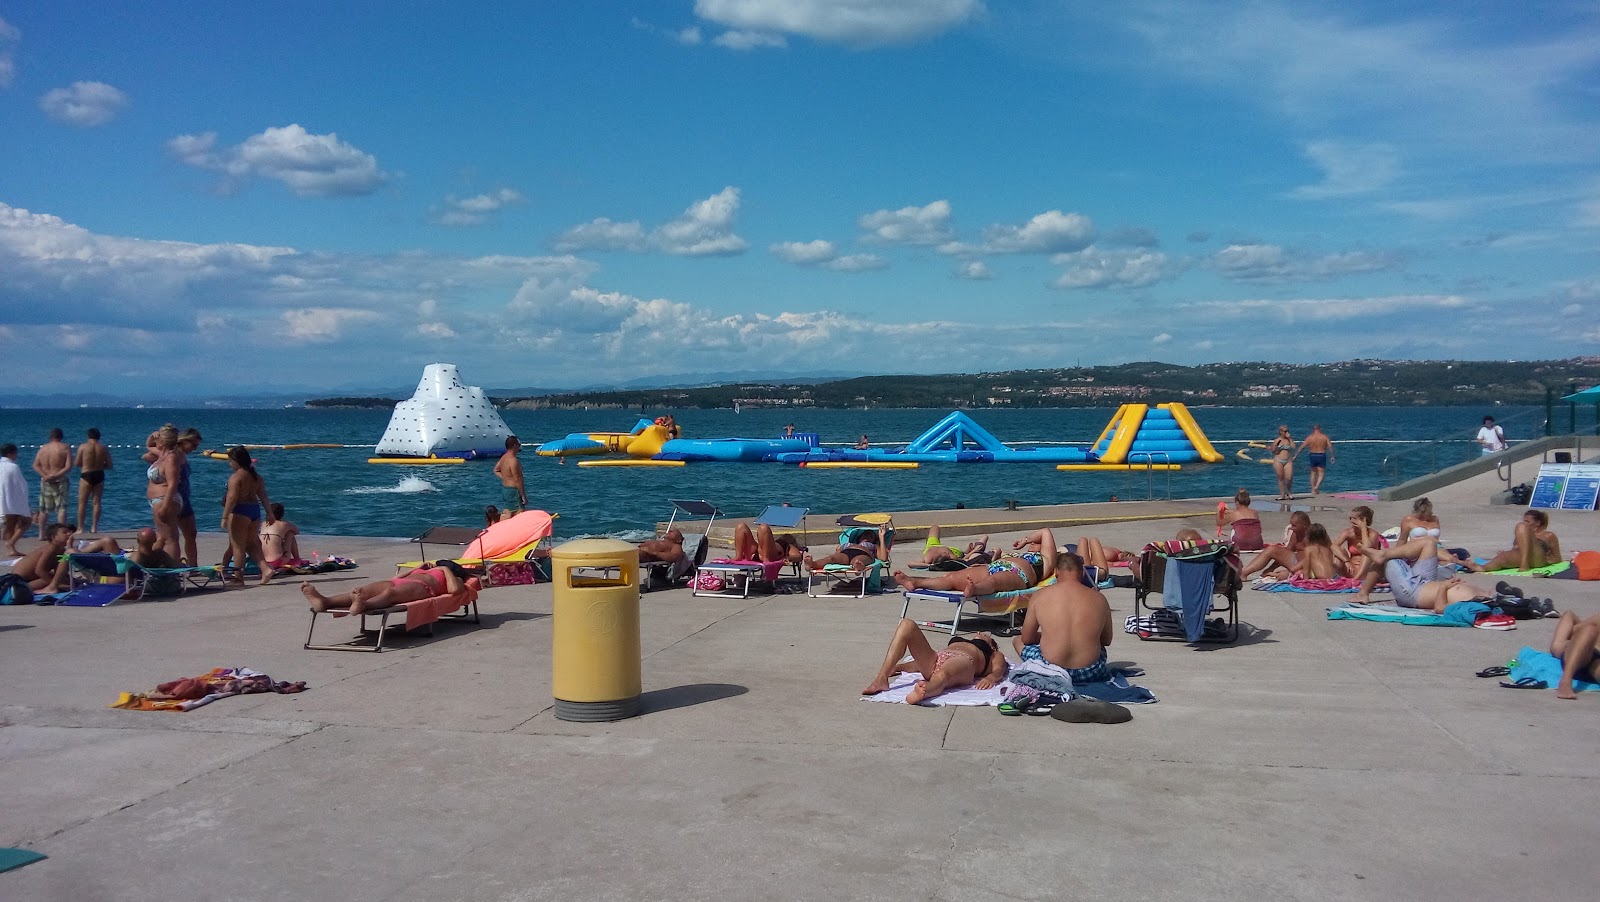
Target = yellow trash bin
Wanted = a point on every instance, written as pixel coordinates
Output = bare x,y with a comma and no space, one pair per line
595,630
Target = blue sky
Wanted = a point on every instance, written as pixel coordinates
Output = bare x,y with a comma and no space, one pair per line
209,197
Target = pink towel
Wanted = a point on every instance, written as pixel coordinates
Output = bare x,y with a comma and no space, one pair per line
1339,584
428,610
770,570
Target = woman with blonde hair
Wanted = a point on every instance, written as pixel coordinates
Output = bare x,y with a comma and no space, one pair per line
161,488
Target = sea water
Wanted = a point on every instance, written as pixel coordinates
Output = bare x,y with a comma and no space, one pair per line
335,490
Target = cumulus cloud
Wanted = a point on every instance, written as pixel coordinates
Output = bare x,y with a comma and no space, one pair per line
1048,233
854,23
928,225
704,229
1096,267
9,36
749,40
311,165
975,270
825,255
84,104
1349,169
323,324
476,210
1265,263
1161,339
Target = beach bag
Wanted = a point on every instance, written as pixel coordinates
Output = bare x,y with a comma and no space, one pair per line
1587,563
512,573
15,590
706,581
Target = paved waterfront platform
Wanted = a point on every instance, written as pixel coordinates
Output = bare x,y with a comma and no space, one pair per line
1312,760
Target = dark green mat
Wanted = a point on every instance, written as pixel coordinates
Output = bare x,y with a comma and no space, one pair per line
16,858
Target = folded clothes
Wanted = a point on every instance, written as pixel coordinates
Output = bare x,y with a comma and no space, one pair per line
194,692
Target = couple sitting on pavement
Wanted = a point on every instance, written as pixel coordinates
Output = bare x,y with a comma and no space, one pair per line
1068,624
1031,562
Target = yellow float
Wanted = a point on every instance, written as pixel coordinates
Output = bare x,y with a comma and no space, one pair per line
629,462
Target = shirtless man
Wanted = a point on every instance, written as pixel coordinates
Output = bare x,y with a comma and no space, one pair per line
963,662
513,494
668,548
42,566
1577,644
1032,561
1533,546
1068,624
1287,554
280,539
148,552
413,585
1319,449
1412,570
52,462
92,460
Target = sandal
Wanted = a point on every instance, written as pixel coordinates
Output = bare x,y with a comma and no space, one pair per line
1044,704
1499,670
1525,683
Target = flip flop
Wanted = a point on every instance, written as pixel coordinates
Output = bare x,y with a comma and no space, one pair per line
1045,704
1525,683
1090,710
1498,670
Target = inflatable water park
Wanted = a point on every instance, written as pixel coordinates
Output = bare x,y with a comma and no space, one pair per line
1138,437
445,421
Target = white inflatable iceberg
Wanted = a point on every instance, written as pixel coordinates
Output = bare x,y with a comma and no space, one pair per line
445,418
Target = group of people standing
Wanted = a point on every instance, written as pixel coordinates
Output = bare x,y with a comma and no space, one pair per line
54,460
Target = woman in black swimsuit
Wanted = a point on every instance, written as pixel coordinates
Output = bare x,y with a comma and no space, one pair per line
857,556
964,662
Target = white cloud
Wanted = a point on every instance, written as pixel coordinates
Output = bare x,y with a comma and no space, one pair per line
1572,310
1096,267
1161,339
84,104
825,255
1269,263
856,263
323,324
1349,169
1048,233
689,36
855,23
9,36
704,229
929,225
475,210
749,40
976,270
311,165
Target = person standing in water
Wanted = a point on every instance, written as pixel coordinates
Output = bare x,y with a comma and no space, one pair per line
1319,449
513,492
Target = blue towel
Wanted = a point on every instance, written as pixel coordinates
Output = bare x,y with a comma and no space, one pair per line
1544,666
1187,587
1117,689
1462,613
1465,613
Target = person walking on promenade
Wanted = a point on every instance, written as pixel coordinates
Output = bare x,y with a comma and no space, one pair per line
243,507
16,511
1319,449
53,462
1283,449
513,492
1491,438
92,460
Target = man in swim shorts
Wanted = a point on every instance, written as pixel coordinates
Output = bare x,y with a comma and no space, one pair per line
92,460
413,585
513,494
1577,644
150,554
963,662
1068,624
53,461
1319,449
1412,569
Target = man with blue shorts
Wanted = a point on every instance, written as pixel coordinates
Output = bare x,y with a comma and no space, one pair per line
1319,449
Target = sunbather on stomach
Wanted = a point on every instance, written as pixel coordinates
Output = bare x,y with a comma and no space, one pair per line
1032,561
413,585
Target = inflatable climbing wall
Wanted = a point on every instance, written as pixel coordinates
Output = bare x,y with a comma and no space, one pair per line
444,417
1166,433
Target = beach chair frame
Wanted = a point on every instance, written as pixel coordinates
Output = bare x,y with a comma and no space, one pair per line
1149,578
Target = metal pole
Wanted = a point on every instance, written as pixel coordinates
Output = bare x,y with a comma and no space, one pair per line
1572,410
1549,409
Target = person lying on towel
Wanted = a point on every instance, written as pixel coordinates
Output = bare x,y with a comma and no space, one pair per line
668,548
1068,624
1032,561
413,585
858,556
936,550
1412,569
964,662
1577,644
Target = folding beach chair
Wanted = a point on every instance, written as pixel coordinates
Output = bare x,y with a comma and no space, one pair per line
668,574
1186,582
737,576
856,527
1010,605
92,573
462,605
514,551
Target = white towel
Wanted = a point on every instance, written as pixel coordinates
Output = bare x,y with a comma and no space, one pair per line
900,685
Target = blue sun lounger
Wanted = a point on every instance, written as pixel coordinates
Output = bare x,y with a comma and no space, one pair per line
95,575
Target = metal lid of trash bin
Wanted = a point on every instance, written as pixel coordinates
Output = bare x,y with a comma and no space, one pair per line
594,550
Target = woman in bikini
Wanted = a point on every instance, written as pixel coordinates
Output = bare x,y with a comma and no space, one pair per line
964,662
1358,535
1032,561
413,585
1096,553
1533,545
1283,448
162,476
762,546
243,507
936,551
1317,560
857,555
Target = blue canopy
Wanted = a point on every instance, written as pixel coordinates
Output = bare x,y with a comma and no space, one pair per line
1587,396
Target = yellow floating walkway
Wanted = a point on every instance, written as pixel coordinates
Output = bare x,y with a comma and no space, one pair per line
628,462
1119,468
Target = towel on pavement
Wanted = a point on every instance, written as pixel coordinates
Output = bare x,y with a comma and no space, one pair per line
194,692
1542,665
900,686
1461,613
1339,585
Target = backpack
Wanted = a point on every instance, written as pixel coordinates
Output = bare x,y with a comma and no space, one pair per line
1587,563
15,590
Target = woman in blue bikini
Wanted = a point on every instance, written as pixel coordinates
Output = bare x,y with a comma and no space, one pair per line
242,509
1032,561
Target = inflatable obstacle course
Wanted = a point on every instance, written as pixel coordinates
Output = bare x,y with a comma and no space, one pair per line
956,438
1139,434
444,417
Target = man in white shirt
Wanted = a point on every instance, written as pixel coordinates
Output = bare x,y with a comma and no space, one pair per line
1491,438
16,511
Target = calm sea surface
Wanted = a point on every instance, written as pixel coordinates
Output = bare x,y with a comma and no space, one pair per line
335,491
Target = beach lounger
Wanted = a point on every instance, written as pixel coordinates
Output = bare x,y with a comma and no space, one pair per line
835,576
1000,604
425,613
737,576
98,569
1190,570
670,574
498,552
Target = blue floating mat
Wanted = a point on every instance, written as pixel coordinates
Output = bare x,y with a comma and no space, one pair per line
16,858
95,595
1544,666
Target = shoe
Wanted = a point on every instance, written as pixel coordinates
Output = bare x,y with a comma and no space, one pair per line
1499,670
1504,588
1500,622
1090,710
1022,698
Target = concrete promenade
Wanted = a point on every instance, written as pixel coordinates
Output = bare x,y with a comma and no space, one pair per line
1312,760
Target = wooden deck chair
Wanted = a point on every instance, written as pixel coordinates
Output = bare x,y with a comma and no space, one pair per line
1163,618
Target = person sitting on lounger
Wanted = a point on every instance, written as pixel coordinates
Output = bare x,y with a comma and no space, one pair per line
1533,546
668,548
762,546
1068,624
1412,569
935,550
42,567
413,585
1577,644
964,662
149,554
858,556
1286,555
1032,561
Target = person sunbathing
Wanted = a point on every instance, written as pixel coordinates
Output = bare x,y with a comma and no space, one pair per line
1412,569
962,663
858,555
1287,554
413,585
1317,560
1533,546
1068,624
1577,644
1245,523
1032,561
1358,535
935,550
149,554
762,546
42,567
280,540
668,548
1098,554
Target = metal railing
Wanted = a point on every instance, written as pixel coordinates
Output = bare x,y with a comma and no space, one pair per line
1430,457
